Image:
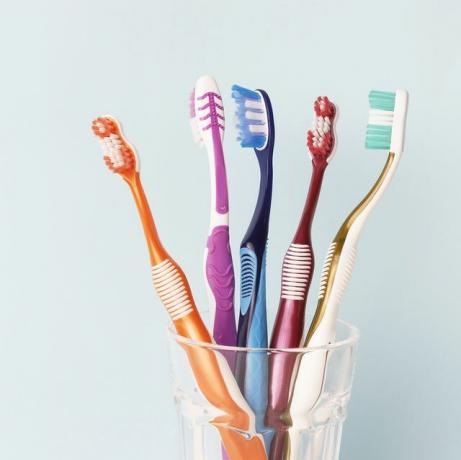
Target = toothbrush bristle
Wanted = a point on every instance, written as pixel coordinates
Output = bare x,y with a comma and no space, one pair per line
251,117
119,155
192,104
381,118
321,138
193,119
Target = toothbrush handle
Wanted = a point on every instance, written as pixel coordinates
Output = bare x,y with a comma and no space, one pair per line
249,273
174,291
220,277
256,368
308,378
242,450
336,273
309,374
214,378
297,271
252,253
288,331
219,269
211,371
252,367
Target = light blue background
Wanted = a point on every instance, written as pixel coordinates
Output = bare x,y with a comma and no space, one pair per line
83,363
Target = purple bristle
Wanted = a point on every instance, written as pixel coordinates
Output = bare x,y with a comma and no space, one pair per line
192,104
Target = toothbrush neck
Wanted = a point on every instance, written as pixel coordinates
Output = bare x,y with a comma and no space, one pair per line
356,219
343,253
222,196
303,232
219,192
219,199
259,225
156,251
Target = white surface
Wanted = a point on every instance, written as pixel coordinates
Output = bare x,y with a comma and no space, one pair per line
84,370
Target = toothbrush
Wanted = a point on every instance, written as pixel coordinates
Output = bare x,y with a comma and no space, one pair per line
211,371
255,125
385,131
207,122
297,271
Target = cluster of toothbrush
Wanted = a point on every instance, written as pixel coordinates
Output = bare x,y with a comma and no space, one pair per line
266,397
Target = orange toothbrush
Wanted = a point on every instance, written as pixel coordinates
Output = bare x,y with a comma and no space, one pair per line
211,371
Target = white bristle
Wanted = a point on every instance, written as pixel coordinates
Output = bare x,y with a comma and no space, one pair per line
252,104
101,127
258,129
196,135
380,117
111,146
322,125
259,116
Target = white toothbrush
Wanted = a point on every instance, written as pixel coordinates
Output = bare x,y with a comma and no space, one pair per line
385,131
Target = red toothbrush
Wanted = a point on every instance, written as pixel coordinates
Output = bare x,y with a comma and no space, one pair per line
297,271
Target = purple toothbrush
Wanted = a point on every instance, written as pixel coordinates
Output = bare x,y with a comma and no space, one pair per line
207,120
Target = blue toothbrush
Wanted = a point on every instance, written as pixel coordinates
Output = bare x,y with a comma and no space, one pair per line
255,123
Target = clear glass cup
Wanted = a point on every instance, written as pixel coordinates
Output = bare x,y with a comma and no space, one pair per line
312,432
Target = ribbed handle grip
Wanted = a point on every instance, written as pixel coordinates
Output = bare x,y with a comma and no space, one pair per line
172,290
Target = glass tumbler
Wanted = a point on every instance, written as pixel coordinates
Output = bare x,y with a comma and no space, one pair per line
310,431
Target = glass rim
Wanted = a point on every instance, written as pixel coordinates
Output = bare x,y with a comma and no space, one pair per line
352,338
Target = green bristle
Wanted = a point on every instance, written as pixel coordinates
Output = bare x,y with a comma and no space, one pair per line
378,136
382,100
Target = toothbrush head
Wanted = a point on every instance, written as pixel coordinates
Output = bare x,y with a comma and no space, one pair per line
206,111
119,156
251,118
321,138
386,122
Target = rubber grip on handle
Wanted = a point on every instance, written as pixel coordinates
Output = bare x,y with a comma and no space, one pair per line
220,277
255,389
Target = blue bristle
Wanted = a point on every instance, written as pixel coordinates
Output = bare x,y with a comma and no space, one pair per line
246,137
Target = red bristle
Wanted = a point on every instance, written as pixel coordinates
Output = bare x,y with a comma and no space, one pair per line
323,107
103,127
320,142
106,126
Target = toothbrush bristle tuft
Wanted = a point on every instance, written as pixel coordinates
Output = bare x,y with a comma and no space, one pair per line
381,118
321,138
192,104
323,107
119,155
251,117
193,119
